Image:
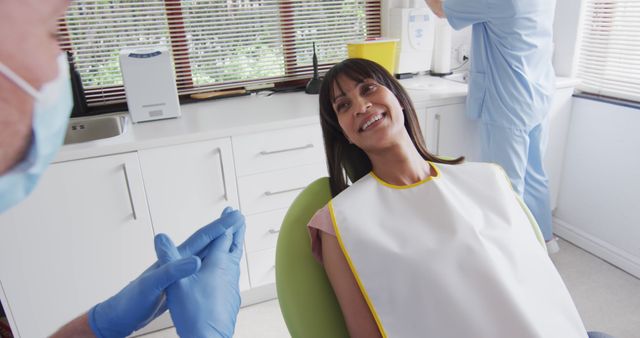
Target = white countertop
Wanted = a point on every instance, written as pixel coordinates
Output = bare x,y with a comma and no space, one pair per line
206,120
249,114
430,90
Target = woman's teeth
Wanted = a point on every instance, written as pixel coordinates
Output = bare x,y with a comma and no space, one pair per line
371,121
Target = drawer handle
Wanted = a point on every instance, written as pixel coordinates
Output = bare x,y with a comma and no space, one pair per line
274,231
270,152
224,179
126,180
277,192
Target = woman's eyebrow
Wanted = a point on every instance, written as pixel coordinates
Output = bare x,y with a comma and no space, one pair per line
337,97
343,93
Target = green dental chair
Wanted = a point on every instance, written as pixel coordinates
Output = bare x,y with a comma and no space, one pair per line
308,304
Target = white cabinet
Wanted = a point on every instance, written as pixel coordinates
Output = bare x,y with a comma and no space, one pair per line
265,199
81,236
449,133
188,186
273,167
88,228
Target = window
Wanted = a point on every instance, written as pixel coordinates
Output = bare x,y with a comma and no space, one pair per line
215,44
609,61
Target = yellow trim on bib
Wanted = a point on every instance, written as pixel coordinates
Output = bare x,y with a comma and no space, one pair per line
532,220
353,270
400,187
525,208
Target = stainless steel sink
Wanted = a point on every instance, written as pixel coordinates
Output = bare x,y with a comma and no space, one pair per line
95,128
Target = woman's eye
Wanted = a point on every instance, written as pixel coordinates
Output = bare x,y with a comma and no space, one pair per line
340,107
368,88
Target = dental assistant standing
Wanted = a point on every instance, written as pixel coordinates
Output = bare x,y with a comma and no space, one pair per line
510,89
199,277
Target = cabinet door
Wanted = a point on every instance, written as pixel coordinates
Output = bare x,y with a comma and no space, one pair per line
188,186
450,133
80,237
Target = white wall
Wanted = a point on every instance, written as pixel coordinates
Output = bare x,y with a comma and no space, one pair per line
566,36
599,201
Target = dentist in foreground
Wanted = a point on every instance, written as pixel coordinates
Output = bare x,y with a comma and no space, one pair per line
199,277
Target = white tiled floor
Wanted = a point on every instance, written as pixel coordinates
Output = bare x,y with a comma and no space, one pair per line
607,298
261,321
257,321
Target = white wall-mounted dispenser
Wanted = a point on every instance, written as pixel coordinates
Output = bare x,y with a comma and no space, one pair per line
149,84
441,63
413,24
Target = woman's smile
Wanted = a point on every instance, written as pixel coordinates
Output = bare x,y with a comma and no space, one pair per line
373,121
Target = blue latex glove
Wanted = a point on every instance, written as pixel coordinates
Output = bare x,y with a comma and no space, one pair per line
206,304
143,299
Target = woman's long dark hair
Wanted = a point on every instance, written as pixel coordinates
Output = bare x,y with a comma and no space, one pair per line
343,158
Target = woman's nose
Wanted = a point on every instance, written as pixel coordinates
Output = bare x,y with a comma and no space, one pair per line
362,106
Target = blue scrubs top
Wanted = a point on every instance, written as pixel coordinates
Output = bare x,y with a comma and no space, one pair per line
512,79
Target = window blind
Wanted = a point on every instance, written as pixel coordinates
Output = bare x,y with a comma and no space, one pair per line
215,44
609,58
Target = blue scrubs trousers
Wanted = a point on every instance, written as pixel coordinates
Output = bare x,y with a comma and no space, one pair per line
520,152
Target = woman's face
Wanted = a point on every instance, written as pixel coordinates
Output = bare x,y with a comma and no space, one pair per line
369,113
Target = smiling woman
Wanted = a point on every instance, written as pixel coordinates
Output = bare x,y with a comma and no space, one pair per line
417,246
365,111
356,92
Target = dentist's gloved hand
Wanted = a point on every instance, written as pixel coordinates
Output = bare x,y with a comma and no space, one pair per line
137,304
143,299
206,304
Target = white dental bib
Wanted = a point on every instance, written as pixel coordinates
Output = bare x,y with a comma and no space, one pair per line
452,256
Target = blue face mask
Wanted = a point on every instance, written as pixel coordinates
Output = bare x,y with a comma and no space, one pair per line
51,110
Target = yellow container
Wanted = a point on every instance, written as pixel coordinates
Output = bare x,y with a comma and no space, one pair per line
381,51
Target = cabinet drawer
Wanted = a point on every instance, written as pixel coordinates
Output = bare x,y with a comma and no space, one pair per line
276,190
262,267
278,149
263,229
